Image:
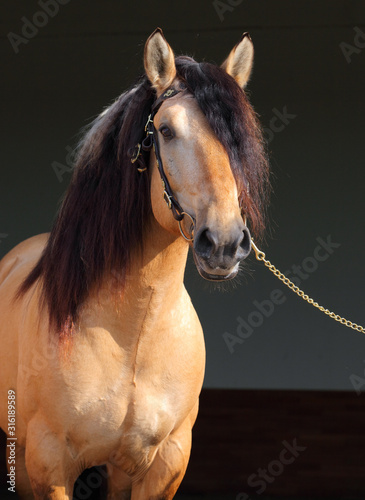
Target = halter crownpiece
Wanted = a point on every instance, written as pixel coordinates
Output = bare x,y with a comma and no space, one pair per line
146,145
151,141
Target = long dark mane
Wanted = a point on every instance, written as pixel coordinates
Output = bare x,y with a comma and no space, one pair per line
106,210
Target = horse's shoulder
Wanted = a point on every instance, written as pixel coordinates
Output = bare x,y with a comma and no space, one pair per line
17,263
30,248
21,259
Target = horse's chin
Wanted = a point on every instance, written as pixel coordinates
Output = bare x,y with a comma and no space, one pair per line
215,274
217,277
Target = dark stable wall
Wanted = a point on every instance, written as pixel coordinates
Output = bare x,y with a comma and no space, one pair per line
307,87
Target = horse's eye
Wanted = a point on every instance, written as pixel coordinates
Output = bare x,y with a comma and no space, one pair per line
166,132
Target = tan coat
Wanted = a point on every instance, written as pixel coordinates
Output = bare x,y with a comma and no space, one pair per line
123,391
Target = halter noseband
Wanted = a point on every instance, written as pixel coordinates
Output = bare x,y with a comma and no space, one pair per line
151,141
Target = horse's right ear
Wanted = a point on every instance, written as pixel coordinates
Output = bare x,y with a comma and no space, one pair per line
159,61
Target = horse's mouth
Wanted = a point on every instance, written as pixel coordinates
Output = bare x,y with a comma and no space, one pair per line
217,274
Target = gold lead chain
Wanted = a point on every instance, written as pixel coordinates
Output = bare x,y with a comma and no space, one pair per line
261,257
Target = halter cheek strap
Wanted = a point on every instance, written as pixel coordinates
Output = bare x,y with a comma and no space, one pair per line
151,141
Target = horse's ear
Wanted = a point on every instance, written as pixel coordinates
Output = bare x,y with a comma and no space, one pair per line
240,60
159,61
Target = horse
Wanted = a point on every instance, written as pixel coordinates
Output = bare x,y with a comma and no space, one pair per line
103,354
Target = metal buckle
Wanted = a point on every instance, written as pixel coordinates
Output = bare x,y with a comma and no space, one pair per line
136,155
167,198
169,92
147,123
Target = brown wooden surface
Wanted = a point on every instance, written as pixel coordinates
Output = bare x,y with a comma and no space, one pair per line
240,431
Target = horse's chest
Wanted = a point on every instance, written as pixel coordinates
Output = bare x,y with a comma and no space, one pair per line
128,431
132,399
149,420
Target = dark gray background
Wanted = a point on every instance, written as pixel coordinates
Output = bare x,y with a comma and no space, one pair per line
91,51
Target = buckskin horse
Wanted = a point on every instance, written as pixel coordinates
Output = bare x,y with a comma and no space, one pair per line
100,342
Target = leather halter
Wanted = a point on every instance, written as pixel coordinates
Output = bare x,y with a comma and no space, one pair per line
151,141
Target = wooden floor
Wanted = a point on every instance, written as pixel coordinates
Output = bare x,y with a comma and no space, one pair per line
241,434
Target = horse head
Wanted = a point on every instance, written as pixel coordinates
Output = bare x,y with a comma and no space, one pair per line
206,138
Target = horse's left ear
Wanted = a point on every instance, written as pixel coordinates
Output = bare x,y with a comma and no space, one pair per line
240,60
159,61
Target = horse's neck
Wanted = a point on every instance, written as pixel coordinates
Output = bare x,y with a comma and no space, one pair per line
154,282
162,264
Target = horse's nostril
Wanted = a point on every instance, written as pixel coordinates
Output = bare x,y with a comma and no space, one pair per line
245,244
206,244
209,247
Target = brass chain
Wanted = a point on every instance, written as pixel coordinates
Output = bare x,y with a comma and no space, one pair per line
262,257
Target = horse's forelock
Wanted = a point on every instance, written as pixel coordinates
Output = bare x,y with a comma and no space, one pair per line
232,118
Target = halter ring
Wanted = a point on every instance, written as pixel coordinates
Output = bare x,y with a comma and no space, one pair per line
181,230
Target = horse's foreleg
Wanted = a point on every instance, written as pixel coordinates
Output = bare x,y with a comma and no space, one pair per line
168,468
119,484
50,469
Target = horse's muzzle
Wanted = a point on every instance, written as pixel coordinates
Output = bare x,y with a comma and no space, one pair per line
217,255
